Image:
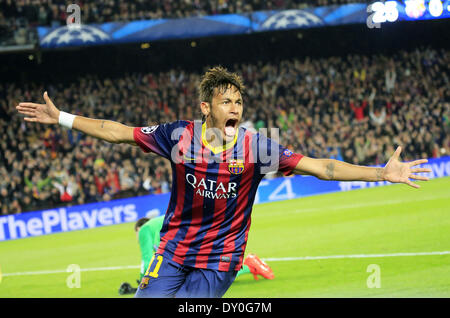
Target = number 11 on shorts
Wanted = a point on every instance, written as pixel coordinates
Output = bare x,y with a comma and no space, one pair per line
154,273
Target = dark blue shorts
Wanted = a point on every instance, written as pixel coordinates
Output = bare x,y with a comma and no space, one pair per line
167,279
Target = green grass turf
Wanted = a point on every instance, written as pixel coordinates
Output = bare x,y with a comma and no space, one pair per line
383,220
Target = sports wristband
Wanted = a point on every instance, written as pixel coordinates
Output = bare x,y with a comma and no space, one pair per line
66,119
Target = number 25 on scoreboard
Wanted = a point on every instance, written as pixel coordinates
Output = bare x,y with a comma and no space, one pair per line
381,12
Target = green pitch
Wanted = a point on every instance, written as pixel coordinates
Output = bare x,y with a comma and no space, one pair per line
342,229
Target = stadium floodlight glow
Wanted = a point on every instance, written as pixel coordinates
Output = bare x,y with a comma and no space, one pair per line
436,8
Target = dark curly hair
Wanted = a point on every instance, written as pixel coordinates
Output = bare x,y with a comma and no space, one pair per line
220,78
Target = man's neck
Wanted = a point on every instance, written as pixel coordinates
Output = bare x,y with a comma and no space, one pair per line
215,136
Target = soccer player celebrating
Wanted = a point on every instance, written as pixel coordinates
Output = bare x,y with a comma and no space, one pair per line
216,169
148,230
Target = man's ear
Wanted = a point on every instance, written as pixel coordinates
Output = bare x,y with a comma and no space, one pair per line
205,108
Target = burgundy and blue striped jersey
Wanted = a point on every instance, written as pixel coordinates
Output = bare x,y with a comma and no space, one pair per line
213,189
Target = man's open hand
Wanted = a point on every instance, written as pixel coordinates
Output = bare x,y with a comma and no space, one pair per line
41,113
400,172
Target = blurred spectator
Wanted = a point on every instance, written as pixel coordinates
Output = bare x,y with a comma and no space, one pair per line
358,109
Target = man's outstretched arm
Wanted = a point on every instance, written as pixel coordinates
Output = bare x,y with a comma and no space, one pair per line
48,113
394,171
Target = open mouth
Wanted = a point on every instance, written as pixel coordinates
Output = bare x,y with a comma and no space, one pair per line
230,127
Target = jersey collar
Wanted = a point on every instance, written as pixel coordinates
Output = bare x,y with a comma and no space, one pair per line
219,149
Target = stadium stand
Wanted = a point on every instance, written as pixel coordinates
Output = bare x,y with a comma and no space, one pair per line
17,18
47,12
354,108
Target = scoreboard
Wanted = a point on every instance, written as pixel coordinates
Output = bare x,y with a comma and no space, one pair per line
407,10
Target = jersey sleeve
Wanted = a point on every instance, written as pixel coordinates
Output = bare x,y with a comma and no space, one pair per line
273,157
288,161
159,139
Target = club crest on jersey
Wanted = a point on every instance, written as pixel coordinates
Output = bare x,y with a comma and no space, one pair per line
236,166
144,283
149,130
287,153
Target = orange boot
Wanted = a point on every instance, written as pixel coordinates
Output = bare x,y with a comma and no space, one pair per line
258,267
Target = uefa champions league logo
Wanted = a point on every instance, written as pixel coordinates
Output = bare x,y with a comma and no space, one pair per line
74,33
82,34
149,130
291,19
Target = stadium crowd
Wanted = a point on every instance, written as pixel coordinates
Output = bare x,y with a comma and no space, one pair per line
18,17
355,108
44,12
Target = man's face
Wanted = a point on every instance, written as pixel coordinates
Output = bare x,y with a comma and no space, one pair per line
224,112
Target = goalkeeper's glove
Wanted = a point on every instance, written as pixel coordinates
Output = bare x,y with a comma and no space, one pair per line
126,289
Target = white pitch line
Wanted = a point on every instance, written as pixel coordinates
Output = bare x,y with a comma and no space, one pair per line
307,258
283,259
58,271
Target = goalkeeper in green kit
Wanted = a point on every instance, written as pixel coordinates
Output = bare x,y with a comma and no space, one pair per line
147,231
